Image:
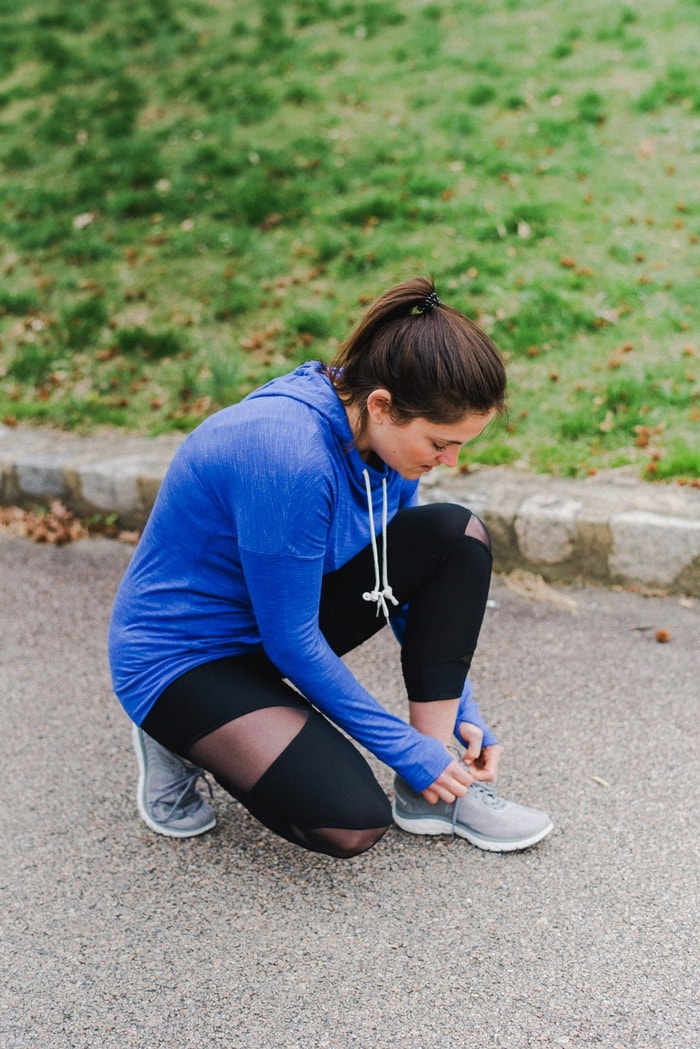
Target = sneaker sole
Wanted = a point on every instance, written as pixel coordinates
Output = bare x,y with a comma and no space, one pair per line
167,832
433,826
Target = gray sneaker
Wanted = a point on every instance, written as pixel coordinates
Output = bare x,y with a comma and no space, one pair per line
484,819
168,799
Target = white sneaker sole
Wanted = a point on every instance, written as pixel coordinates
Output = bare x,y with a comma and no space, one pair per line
167,832
432,825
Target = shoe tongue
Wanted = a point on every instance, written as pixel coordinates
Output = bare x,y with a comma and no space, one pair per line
487,796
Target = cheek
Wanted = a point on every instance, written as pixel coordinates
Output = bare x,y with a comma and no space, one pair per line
421,452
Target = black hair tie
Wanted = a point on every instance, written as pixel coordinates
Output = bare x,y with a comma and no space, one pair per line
430,303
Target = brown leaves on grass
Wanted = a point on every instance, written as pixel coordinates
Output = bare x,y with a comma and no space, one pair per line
645,433
58,525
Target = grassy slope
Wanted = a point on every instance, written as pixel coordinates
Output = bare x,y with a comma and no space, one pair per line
197,195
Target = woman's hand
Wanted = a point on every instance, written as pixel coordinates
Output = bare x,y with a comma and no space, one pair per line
482,762
451,784
478,763
485,767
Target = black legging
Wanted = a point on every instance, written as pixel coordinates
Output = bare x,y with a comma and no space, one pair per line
272,750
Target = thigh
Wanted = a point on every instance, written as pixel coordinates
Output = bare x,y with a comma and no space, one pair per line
203,699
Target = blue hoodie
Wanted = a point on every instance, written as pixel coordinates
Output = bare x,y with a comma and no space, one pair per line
259,502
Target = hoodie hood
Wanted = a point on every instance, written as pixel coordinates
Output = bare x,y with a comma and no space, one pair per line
309,384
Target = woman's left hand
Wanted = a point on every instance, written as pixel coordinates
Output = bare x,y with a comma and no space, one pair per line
482,762
485,767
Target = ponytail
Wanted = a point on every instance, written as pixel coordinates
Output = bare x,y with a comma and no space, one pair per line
435,362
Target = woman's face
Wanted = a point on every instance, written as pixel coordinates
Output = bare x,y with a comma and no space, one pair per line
414,448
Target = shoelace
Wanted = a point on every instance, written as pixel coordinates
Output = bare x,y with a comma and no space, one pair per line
488,796
382,591
185,783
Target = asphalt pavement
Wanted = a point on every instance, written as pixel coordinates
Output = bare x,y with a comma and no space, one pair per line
114,937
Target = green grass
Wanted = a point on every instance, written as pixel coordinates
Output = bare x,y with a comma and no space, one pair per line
195,196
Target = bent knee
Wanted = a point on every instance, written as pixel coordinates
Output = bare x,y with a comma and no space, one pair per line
476,529
344,844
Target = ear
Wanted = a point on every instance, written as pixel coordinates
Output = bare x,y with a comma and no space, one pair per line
379,405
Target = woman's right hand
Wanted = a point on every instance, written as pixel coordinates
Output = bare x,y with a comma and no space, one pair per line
451,784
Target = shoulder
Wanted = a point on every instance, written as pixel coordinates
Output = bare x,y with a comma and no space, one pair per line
271,429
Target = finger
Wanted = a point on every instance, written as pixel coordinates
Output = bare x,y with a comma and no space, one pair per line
455,784
484,775
486,768
456,775
473,737
451,784
434,794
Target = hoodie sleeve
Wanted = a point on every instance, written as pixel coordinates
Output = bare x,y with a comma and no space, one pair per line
282,542
469,711
285,592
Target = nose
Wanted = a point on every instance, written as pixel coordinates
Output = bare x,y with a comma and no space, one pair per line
449,456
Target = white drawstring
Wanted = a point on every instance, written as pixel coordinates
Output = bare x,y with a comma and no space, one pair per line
379,596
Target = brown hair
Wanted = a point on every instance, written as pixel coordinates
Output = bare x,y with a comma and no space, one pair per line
435,362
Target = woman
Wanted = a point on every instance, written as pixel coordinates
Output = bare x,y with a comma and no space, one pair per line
287,532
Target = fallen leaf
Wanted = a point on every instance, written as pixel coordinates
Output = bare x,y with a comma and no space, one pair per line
129,537
533,587
81,221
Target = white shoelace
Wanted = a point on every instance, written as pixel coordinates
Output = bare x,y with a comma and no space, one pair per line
185,786
486,795
382,591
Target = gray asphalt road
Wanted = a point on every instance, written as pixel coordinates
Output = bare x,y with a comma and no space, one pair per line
114,937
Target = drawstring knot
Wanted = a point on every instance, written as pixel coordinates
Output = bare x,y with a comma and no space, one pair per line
382,592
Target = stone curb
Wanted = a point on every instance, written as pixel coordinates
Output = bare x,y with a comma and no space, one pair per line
607,530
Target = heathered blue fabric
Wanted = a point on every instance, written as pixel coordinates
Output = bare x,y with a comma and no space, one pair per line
258,503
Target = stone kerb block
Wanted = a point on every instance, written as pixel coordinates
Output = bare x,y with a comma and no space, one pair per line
41,476
660,551
546,528
125,485
102,474
31,467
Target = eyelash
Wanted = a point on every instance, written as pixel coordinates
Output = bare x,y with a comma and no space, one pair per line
439,447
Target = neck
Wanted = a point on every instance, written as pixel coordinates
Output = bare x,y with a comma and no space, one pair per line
361,443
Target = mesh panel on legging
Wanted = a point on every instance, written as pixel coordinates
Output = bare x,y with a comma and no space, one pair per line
300,777
238,718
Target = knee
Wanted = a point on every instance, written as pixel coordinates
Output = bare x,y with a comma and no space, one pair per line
450,521
476,529
344,844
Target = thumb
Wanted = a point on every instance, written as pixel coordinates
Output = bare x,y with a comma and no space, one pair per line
473,737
